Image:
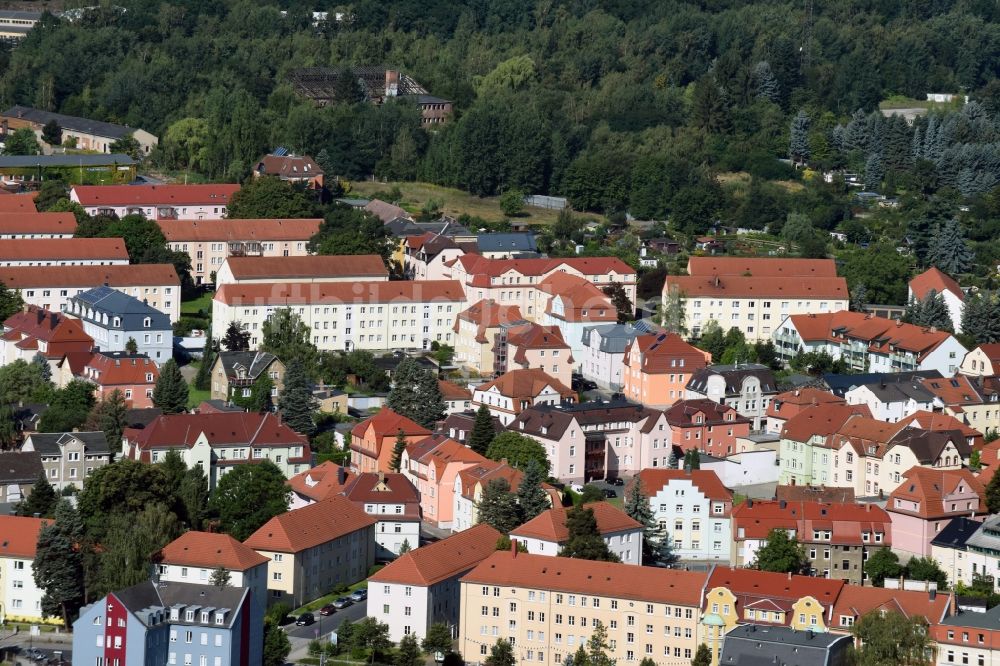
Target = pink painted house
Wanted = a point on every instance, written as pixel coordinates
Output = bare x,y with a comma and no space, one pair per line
432,464
926,500
706,426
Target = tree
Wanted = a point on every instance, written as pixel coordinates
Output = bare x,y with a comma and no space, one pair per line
296,402
597,646
798,142
438,639
931,310
926,568
483,431
259,399
619,298
404,547
397,451
637,508
203,380
68,407
126,145
110,417
269,198
171,391
584,541
237,338
890,638
131,346
42,501
591,493
10,302
882,564
416,394
249,496
285,335
501,654
692,459
21,382
276,645
512,203
993,494
408,653
672,314
52,133
347,230
372,635
702,657
58,565
22,142
781,553
531,497
498,507
517,450
128,542
948,250
220,577
981,318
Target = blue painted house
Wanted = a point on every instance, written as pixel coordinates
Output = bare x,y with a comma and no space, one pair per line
111,318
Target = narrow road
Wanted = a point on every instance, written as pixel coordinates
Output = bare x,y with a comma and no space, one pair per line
325,625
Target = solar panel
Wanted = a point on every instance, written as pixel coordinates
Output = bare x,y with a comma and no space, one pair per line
280,151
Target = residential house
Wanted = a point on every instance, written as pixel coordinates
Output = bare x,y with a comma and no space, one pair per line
983,361
511,393
705,425
941,422
133,375
968,550
476,329
926,500
935,281
509,245
857,450
317,483
20,596
693,509
783,645
747,467
234,373
814,494
967,400
470,483
37,225
291,168
300,268
459,426
51,287
804,456
456,398
71,168
425,256
19,470
179,623
88,135
68,458
602,356
893,400
422,587
113,319
18,203
868,343
347,316
218,441
838,538
374,439
530,345
572,303
386,212
547,534
967,638
315,549
623,598
786,405
657,368
156,202
856,601
754,294
748,388
432,464
18,252
34,331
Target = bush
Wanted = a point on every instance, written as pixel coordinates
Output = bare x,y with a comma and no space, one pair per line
512,203
278,613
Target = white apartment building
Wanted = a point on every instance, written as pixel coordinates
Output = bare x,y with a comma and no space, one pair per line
20,598
546,533
892,401
376,316
156,202
602,353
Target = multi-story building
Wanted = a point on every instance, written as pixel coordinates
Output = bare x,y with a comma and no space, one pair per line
838,538
68,458
694,509
18,203
425,256
983,361
20,597
114,319
803,451
967,399
156,202
941,422
786,405
373,440
868,343
856,601
784,645
35,330
573,303
19,471
705,425
657,368
51,287
513,392
234,373
291,168
433,465
471,482
748,388
133,375
422,587
298,267
17,252
179,623
968,550
457,399
547,533
16,23
935,281
530,345
967,638
90,135
315,549
476,329
602,356
218,441
348,316
892,399
754,295
927,499
547,607
37,225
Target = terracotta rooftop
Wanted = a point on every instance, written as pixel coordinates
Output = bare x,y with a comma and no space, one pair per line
551,525
486,314
705,480
452,391
289,167
19,535
582,300
929,488
739,286
762,267
35,323
114,368
387,423
37,223
814,494
361,266
846,521
749,585
880,334
821,420
442,559
120,275
151,195
209,550
52,249
18,203
526,383
941,422
310,293
666,353
216,231
322,481
787,404
856,601
939,282
310,526
475,264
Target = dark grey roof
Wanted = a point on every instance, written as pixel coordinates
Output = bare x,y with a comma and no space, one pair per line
507,242
29,415
355,203
464,422
551,421
20,14
928,444
402,227
254,362
646,326
20,466
761,645
223,406
840,384
427,99
898,391
956,533
48,443
614,338
988,620
131,310
149,595
86,125
140,418
986,538
734,376
55,161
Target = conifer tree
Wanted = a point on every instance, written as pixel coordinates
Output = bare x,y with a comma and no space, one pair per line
498,507
638,509
171,391
931,310
203,380
397,451
482,432
236,337
798,142
981,318
41,501
110,417
585,542
531,497
767,85
416,394
296,401
948,250
58,565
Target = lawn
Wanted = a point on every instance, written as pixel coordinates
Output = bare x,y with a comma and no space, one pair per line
453,202
194,306
316,604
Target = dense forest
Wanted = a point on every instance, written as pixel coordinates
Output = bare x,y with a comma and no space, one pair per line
680,111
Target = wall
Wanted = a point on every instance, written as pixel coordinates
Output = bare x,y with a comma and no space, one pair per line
744,469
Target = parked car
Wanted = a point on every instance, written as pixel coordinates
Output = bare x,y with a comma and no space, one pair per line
617,482
329,609
304,620
609,493
342,602
576,487
360,595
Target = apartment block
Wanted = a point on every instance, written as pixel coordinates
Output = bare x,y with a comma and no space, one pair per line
694,509
37,225
156,202
658,367
546,533
269,269
20,597
16,252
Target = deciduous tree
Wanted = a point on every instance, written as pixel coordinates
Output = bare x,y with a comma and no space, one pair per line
517,450
438,639
501,654
110,417
891,638
781,553
249,496
882,564
285,335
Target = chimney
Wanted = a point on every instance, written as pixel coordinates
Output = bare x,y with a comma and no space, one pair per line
341,475
513,548
782,504
809,634
789,575
24,308
749,502
932,593
953,605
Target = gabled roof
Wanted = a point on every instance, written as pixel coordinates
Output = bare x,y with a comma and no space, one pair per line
861,432
814,493
821,420
58,249
118,275
768,267
132,311
387,423
927,445
612,338
51,443
452,391
361,266
526,383
581,300
37,223
930,488
487,314
223,231
52,327
507,242
485,472
251,362
118,368
19,535
956,533
209,550
992,352
20,467
221,429
531,336
551,421
856,601
881,335
750,585
442,559
846,521
550,525
682,413
310,526
439,451
288,166
322,481
384,211
478,265
216,194
738,286
787,404
706,480
934,280
939,422
955,392
85,125
734,376
664,353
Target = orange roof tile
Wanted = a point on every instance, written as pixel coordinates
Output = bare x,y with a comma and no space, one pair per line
387,423
287,268
309,293
222,231
929,487
209,550
551,525
880,334
111,370
954,392
705,480
310,526
52,249
846,521
215,194
477,265
487,314
856,601
750,585
19,203
939,282
762,267
442,559
37,223
940,422
321,481
788,404
739,286
582,300
452,391
821,420
526,383
19,535
666,352
121,275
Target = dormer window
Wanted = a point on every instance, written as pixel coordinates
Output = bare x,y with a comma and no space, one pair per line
189,616
204,617
220,618
175,614
146,322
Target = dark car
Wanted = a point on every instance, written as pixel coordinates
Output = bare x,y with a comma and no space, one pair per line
304,620
359,595
617,482
329,609
610,493
342,602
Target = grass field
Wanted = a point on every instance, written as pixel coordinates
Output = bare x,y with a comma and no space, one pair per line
203,302
453,202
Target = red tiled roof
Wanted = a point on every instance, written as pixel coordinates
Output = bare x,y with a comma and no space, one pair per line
121,275
821,420
196,231
52,327
310,293
475,264
788,404
452,391
387,423
19,535
110,371
939,422
289,166
953,391
485,472
440,451
682,413
486,314
582,300
929,487
762,267
666,352
551,525
221,429
209,550
310,526
856,601
939,282
604,579
750,586
37,223
880,334
256,268
738,286
151,195
51,249
442,559
526,383
321,481
19,203
846,521
705,480
385,211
